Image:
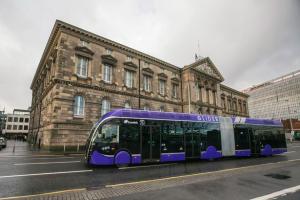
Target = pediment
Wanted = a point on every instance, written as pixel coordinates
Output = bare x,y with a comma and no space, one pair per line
148,70
162,75
207,67
175,79
84,50
109,59
130,64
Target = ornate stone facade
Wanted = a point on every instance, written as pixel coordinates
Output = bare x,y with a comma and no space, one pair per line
82,75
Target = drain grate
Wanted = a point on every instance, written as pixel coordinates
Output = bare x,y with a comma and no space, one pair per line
278,176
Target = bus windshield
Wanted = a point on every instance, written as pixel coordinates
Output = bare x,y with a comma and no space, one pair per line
108,133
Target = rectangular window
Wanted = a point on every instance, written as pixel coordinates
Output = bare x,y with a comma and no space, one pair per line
20,127
174,90
107,73
15,127
147,83
15,119
21,119
128,78
129,59
25,127
9,119
8,127
26,120
79,106
162,87
108,51
84,43
82,66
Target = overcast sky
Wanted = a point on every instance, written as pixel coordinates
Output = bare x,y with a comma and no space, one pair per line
249,41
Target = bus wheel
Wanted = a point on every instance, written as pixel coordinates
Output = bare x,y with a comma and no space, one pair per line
122,159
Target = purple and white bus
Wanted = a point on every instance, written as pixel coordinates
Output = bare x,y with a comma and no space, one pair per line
126,136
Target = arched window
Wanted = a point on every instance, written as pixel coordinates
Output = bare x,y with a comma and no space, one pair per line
79,106
127,105
105,106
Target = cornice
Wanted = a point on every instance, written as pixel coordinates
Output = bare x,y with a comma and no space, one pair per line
95,87
226,88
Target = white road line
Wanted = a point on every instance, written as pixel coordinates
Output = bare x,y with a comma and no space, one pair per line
47,163
289,152
199,174
48,173
30,156
146,166
278,193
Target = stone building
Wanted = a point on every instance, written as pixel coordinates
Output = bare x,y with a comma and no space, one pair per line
82,75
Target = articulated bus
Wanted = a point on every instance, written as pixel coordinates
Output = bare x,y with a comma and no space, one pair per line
126,136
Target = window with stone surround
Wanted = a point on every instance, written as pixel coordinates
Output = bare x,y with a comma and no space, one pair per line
79,106
107,73
161,109
147,83
82,66
146,107
162,87
105,106
127,105
128,78
129,58
108,51
174,90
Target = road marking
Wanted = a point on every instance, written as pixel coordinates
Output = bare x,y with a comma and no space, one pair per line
25,156
146,166
47,163
295,146
289,152
198,174
278,193
43,194
47,173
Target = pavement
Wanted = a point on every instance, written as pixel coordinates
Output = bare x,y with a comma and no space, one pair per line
26,173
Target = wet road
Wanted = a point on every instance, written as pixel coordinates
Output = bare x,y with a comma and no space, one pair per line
26,172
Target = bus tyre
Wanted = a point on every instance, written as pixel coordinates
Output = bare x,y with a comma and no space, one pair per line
122,159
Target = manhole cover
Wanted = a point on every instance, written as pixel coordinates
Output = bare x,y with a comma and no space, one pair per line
278,176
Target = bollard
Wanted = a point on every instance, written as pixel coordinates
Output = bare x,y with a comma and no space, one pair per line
64,147
77,147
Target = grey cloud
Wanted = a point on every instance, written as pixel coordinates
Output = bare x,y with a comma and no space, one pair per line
249,41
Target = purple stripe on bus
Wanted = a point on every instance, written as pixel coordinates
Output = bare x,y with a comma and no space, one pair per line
243,153
236,120
122,157
266,151
167,157
131,113
141,114
279,150
210,153
100,159
136,159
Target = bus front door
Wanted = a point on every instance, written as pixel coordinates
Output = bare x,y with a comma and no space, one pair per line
150,143
192,144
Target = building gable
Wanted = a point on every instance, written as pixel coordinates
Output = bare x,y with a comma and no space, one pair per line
207,67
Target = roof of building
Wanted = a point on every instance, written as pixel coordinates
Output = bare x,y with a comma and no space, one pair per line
273,81
174,116
60,24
